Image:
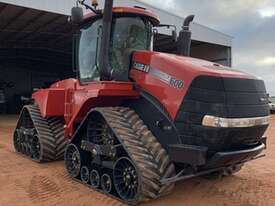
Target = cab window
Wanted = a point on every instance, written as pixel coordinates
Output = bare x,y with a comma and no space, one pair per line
129,34
89,43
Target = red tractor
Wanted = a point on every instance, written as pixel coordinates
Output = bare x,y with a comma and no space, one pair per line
136,121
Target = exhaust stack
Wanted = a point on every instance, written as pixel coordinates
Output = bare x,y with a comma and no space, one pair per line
104,63
184,40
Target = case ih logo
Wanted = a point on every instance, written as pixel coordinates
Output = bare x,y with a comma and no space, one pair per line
141,67
164,77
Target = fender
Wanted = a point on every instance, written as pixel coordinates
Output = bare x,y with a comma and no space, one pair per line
156,118
51,102
73,100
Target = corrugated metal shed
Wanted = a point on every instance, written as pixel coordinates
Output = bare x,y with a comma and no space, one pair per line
200,32
29,28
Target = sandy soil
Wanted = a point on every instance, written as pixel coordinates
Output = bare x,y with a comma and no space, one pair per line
24,183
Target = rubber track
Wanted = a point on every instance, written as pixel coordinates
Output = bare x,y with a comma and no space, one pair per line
57,127
165,166
51,137
150,159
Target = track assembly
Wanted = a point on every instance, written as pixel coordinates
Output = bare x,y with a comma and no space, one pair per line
121,155
38,138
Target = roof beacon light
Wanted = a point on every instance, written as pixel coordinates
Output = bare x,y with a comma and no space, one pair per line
95,3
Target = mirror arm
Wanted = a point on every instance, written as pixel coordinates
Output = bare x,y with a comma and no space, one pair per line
82,2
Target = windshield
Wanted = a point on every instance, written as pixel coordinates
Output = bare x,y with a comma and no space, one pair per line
129,34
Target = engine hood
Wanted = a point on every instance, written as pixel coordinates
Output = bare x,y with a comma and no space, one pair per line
168,77
194,66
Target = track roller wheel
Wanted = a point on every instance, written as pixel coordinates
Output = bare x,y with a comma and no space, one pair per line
106,183
85,174
72,160
95,179
35,147
126,179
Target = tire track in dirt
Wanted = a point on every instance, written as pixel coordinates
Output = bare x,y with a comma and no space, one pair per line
43,189
108,201
68,183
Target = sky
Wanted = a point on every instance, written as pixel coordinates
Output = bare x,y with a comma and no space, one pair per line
250,22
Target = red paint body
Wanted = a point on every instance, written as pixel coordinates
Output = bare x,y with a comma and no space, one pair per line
128,10
183,68
73,101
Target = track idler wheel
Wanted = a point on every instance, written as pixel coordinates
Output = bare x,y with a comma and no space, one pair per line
126,179
72,160
95,178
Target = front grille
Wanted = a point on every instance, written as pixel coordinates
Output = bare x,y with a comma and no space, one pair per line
222,97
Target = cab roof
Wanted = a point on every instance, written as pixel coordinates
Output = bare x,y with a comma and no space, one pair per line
128,11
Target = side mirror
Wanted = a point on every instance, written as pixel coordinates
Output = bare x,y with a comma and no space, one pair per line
174,35
76,15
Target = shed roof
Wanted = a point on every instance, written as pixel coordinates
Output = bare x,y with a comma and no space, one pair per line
200,32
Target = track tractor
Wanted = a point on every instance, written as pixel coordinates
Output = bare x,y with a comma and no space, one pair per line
136,121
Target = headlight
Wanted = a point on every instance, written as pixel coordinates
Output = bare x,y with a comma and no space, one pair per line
212,121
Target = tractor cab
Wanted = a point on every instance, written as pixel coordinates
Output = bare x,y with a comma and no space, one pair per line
131,29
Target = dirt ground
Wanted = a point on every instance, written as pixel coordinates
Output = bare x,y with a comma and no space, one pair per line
24,183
